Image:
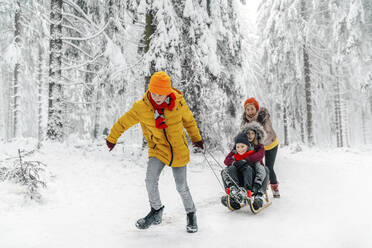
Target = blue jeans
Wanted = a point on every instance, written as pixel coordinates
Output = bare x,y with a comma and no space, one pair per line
154,168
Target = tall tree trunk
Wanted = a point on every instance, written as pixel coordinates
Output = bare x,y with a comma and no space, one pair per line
55,108
337,106
2,105
9,130
309,114
40,98
149,30
209,7
302,124
110,13
16,73
285,125
299,116
364,129
338,117
344,120
97,116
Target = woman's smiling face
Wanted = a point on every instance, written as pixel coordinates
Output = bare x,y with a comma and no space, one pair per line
250,110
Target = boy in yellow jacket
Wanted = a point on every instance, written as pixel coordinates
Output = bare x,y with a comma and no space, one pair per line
163,114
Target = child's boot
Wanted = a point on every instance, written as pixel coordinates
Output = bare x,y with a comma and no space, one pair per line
154,217
258,201
224,200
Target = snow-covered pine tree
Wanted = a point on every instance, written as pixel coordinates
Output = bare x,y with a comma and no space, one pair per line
17,63
16,71
55,108
193,55
224,73
280,42
11,61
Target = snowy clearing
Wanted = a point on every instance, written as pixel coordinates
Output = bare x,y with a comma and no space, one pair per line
94,198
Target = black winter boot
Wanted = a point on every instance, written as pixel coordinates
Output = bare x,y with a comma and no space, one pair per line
224,200
258,201
192,226
152,218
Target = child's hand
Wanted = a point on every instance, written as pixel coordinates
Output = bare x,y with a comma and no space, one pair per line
255,188
238,164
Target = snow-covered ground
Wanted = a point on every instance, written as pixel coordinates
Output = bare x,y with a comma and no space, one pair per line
94,198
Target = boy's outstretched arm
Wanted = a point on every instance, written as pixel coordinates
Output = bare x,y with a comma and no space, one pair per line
129,119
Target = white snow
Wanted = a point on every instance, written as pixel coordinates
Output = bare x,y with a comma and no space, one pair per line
94,198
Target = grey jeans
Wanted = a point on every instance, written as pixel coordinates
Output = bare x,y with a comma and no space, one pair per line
154,168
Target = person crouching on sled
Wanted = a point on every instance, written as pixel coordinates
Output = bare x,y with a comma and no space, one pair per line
245,168
163,113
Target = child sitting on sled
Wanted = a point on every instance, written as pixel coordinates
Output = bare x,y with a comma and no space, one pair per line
245,168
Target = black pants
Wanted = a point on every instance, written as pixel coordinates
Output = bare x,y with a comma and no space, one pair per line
243,177
270,156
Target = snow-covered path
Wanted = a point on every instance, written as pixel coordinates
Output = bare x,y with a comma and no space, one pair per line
95,197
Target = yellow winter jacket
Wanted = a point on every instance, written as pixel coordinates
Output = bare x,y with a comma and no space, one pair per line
169,145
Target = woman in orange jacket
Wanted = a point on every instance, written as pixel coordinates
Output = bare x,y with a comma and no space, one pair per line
163,114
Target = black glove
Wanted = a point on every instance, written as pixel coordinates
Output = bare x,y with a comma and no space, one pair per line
199,144
261,117
110,145
239,164
256,187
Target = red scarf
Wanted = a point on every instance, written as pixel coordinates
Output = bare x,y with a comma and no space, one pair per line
169,103
238,157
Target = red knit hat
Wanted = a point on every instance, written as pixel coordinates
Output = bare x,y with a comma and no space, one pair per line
253,101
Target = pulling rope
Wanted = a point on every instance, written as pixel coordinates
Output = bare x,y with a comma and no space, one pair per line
223,170
210,166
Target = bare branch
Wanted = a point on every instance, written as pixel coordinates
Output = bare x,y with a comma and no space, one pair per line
73,28
83,64
78,48
81,12
90,37
66,14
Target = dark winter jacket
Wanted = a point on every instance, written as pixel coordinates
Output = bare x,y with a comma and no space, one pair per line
254,160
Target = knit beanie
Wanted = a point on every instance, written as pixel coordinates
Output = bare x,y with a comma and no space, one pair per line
242,138
253,101
160,83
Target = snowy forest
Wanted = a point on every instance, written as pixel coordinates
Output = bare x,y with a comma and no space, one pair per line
71,68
